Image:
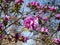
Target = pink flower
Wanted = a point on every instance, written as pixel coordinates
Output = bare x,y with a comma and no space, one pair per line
45,18
7,17
35,24
36,27
46,7
2,36
52,8
7,1
17,35
39,6
25,39
1,25
28,21
39,17
56,40
18,1
44,29
57,16
31,22
34,4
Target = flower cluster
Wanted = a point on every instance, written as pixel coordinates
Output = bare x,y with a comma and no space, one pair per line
49,8
31,22
35,5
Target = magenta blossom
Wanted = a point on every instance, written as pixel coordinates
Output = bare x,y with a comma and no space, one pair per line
25,39
45,18
57,16
31,22
56,40
34,3
35,23
46,7
39,7
7,17
7,1
52,8
39,17
19,1
1,25
17,35
44,29
2,36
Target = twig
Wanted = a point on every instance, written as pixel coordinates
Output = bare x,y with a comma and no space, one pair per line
55,31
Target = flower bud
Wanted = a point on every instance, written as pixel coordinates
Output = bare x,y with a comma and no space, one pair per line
7,17
57,16
56,40
45,19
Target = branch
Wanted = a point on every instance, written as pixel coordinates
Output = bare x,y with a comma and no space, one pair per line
58,29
